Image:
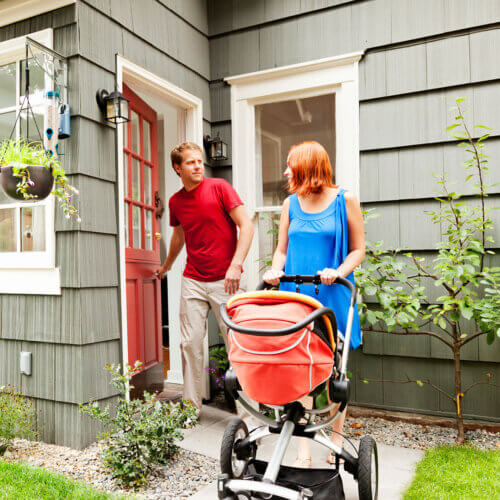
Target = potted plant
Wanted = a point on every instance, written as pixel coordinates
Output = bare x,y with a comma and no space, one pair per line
217,367
28,172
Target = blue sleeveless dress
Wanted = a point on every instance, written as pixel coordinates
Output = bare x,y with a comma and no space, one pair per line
316,241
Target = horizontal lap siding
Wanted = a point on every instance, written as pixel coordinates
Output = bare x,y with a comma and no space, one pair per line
481,401
420,56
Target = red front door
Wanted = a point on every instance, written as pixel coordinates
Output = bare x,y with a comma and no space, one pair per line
142,252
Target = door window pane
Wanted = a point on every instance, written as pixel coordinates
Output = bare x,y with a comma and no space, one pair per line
148,231
147,140
37,81
136,179
125,173
136,230
135,136
279,126
8,85
126,214
147,185
8,230
33,229
7,121
29,126
268,237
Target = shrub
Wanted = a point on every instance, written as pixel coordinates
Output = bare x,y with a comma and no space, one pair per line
142,433
17,418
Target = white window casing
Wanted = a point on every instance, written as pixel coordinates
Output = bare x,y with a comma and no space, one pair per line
337,75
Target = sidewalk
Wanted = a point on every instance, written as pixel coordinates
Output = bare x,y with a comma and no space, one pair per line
396,465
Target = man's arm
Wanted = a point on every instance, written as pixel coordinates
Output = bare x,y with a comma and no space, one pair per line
233,275
176,244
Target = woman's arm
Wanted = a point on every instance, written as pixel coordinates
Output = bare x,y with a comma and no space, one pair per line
356,243
356,236
279,258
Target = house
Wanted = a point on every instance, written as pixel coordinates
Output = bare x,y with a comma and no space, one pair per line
373,80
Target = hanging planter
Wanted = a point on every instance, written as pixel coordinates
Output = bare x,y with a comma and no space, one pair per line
37,178
29,173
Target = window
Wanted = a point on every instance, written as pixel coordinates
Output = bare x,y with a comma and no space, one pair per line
274,109
27,238
278,126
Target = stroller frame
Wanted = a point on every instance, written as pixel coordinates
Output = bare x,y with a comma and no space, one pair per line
287,422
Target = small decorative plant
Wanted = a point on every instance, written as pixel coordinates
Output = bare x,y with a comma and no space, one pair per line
140,433
17,418
20,155
218,369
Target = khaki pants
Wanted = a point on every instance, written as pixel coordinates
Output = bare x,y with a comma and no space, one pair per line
197,297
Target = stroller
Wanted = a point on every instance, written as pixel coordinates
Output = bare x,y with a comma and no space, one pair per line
282,347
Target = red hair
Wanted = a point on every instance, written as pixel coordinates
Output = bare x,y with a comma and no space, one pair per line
311,168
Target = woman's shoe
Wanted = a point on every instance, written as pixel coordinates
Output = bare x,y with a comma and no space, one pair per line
304,463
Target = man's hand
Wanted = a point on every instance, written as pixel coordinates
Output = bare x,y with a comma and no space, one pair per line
160,272
232,279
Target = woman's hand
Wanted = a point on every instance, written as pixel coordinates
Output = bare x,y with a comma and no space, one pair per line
272,276
328,276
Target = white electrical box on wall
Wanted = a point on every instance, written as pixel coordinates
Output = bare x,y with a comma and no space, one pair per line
25,362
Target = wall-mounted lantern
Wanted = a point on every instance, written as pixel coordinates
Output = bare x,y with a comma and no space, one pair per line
216,148
114,106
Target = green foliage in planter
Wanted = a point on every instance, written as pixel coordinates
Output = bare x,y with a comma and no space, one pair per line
17,417
468,306
20,154
142,433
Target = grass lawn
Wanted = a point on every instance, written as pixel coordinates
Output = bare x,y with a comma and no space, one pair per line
456,472
21,482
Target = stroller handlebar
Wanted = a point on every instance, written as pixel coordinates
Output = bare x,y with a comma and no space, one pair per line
300,279
263,332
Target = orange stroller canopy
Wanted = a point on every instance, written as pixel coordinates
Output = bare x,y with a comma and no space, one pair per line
276,369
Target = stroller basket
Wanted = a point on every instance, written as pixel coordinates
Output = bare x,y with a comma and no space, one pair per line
276,369
325,484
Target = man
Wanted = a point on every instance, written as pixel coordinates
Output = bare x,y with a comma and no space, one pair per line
205,215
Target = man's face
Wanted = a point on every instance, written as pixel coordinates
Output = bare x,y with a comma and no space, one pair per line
191,170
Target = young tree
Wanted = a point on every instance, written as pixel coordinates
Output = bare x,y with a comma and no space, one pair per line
470,288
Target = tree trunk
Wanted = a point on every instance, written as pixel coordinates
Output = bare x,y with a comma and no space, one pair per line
458,395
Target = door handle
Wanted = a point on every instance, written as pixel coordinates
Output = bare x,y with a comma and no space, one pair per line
158,236
160,207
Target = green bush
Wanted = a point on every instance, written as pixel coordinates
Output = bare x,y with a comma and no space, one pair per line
17,417
142,433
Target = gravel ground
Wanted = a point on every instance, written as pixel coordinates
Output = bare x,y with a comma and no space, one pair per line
186,473
415,436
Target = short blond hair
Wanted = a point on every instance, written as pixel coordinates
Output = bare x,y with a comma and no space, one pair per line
176,155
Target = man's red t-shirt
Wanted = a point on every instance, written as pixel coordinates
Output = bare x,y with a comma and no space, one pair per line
209,231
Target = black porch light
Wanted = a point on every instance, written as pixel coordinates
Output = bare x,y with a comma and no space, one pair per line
216,148
114,106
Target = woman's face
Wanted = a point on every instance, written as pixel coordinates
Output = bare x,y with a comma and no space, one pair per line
288,173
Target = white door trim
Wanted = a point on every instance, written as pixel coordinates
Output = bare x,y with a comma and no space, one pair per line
131,72
337,75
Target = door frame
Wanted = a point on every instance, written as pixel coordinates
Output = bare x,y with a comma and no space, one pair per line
337,75
135,74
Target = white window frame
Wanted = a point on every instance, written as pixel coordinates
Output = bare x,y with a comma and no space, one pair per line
30,272
337,75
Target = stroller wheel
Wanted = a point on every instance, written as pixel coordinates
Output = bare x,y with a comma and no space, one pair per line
234,461
367,469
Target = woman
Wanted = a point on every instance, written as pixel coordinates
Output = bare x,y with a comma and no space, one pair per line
321,232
